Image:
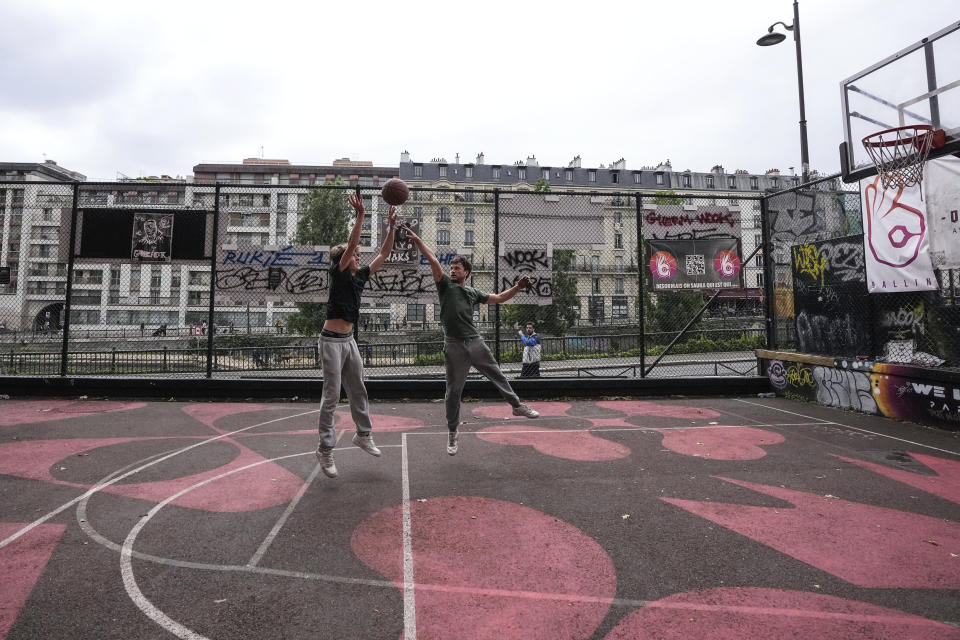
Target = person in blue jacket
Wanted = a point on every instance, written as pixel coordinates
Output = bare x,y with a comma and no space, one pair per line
531,353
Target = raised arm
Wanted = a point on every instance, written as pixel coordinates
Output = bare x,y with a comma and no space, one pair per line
354,239
387,242
503,296
435,267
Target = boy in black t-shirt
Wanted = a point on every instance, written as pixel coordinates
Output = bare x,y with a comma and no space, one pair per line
339,355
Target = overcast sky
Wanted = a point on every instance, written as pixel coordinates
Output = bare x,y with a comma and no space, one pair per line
123,87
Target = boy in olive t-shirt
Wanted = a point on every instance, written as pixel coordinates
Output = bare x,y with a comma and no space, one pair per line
463,346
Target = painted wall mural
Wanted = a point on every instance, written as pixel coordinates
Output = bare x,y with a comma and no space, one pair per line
891,390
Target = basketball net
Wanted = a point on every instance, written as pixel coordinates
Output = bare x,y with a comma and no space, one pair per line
900,153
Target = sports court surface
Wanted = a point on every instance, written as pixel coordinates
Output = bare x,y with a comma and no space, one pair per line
603,519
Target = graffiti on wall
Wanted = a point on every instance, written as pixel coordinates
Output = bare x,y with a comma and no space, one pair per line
890,390
675,222
831,303
535,262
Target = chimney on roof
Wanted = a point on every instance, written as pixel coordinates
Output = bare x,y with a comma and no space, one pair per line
532,161
575,163
619,164
480,158
404,157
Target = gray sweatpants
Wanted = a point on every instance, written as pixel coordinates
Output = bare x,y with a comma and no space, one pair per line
341,363
458,355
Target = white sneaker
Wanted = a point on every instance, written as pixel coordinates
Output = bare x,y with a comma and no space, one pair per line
325,458
527,412
366,443
452,439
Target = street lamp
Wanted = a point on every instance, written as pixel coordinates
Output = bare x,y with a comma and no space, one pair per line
771,38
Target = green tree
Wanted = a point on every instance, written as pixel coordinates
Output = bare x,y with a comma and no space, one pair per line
541,186
555,318
325,220
671,311
667,197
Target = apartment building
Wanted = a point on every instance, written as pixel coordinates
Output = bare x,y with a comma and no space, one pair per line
607,274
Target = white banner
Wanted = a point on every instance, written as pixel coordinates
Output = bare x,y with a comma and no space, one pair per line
941,193
895,238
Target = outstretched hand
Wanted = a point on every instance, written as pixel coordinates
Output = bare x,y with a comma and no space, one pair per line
524,282
410,234
357,203
392,218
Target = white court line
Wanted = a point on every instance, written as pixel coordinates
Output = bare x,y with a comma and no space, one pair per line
409,599
847,426
262,549
36,523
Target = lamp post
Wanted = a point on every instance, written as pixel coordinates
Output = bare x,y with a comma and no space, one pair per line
771,38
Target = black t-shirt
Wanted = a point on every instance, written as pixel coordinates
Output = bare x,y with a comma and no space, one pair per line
345,291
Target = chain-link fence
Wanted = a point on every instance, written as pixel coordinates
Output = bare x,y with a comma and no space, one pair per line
818,298
115,279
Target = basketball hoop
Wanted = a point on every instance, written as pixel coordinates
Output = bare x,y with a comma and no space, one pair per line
900,153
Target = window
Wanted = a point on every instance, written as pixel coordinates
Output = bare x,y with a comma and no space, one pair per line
468,171
731,182
47,214
618,241
757,221
496,173
709,182
468,194
468,237
468,215
443,214
418,212
245,200
754,182
596,285
659,177
416,312
686,180
418,171
759,260
759,280
618,285
615,177
618,307
595,310
636,177
757,240
545,174
592,175
618,217
443,171
594,263
774,182
618,263
568,175
282,201
521,173
114,276
734,202
443,237
688,201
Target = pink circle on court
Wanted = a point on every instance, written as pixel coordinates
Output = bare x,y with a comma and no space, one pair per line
646,408
505,411
720,443
569,445
488,569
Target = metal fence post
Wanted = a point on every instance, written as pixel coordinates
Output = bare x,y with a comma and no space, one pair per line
641,305
496,272
69,291
211,329
769,275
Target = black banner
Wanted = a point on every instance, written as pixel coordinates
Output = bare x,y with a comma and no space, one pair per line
708,263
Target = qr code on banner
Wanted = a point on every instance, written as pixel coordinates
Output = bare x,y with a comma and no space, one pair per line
696,265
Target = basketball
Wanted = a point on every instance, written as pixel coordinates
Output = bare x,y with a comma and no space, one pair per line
395,192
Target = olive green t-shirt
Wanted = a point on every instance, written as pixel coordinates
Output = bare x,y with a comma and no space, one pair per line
456,308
